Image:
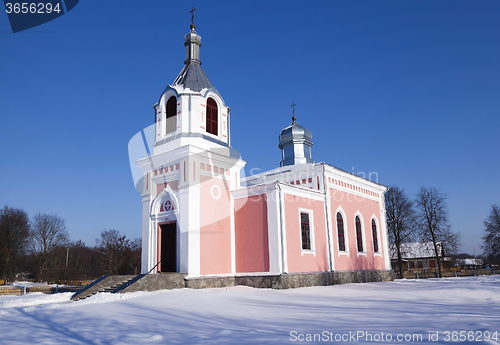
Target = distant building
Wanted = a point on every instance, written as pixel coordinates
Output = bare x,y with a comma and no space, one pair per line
419,256
469,263
202,218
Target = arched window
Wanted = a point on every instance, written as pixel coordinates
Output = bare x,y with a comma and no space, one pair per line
374,235
212,115
305,230
171,122
340,232
359,235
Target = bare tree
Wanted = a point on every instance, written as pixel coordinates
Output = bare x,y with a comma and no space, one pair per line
491,238
80,261
117,252
432,217
14,233
47,232
401,221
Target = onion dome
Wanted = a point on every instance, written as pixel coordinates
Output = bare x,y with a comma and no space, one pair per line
295,143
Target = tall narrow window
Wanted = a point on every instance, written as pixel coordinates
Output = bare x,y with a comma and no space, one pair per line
374,235
359,235
340,232
171,122
212,114
305,230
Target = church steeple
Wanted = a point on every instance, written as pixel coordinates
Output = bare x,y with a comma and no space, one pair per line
191,164
192,75
295,143
191,110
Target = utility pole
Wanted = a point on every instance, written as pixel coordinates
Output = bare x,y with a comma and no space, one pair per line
67,257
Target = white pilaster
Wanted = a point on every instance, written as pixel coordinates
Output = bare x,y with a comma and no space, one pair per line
233,235
329,225
383,223
274,222
189,229
146,235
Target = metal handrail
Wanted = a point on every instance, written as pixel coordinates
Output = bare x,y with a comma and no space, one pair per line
153,267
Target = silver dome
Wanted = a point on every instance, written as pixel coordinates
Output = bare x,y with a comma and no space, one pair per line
295,143
294,131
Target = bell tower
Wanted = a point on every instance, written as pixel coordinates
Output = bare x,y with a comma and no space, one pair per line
191,110
189,176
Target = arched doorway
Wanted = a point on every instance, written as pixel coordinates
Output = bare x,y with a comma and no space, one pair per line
164,214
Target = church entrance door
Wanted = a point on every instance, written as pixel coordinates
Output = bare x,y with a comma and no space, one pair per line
168,247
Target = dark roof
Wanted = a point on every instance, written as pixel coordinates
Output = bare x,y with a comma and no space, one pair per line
193,77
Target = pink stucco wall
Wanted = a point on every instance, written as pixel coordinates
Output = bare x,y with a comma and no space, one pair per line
173,184
251,236
296,259
353,205
215,226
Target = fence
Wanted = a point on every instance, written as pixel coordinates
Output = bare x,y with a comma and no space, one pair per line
421,274
71,282
48,289
11,290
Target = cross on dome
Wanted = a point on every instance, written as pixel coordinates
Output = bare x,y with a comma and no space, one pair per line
192,16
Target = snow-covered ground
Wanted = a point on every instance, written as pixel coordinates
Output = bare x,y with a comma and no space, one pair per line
421,311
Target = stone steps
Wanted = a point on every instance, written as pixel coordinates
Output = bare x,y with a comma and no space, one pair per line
103,284
130,283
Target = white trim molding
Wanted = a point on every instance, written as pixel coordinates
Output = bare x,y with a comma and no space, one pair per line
346,232
377,224
311,232
363,237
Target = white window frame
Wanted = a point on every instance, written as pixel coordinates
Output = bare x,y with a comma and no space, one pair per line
377,223
164,115
363,238
219,103
346,237
311,232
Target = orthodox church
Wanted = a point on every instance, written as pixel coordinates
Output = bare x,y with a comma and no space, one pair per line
202,218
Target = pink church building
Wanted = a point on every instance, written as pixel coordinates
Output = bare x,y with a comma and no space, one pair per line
303,223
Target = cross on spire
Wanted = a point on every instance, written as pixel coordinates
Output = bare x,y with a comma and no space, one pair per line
293,111
192,15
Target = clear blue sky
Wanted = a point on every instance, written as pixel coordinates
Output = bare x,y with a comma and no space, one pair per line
407,89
